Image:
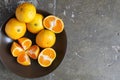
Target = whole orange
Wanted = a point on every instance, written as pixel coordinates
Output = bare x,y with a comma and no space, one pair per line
45,38
36,24
15,29
25,12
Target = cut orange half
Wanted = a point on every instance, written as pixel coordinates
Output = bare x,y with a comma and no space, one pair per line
24,59
33,51
53,23
46,57
16,49
25,42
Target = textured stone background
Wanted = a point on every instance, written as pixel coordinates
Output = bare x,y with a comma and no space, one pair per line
93,33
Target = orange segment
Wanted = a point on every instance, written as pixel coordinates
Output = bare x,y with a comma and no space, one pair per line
24,59
49,52
58,26
53,23
33,51
48,22
25,42
46,57
16,49
46,62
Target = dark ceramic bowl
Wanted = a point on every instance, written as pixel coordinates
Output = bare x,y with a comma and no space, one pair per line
34,70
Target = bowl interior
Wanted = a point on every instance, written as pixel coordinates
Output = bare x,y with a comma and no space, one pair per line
34,70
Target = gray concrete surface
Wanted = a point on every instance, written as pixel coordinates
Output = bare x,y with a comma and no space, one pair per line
93,33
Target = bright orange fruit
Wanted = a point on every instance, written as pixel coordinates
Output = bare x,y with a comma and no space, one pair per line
15,29
16,49
24,59
46,57
25,12
36,24
25,42
33,51
45,38
53,23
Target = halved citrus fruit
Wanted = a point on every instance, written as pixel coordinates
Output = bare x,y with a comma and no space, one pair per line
33,51
25,42
24,59
15,29
53,23
36,24
25,12
45,38
16,49
46,57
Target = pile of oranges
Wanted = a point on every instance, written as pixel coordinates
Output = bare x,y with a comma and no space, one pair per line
44,27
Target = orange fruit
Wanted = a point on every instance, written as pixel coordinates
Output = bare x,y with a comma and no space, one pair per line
46,57
36,24
53,23
45,38
25,42
24,59
15,29
16,49
25,12
33,51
